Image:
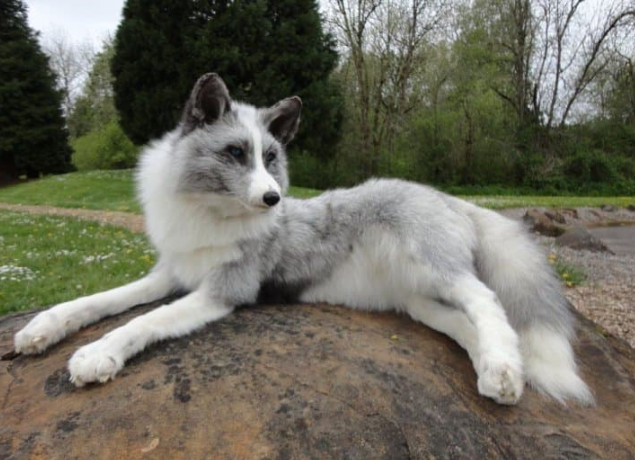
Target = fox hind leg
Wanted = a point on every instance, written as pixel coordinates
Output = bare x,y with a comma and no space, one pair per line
499,363
449,321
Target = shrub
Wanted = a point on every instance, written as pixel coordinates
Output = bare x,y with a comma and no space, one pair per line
307,170
105,148
590,166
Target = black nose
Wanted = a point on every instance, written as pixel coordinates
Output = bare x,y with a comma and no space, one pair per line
271,198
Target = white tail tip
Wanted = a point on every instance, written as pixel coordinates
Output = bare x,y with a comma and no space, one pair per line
550,366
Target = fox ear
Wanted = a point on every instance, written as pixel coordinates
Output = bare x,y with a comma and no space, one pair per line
283,118
208,102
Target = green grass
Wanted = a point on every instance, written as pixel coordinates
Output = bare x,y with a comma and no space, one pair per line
570,275
114,191
45,260
302,192
501,202
108,190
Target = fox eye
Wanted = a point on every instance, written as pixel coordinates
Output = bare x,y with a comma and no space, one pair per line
236,152
271,156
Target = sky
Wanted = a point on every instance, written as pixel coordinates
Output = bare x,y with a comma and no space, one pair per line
80,19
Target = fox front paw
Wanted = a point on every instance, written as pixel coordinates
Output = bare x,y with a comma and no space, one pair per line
501,381
95,362
43,331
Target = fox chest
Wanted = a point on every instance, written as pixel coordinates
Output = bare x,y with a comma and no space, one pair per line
192,267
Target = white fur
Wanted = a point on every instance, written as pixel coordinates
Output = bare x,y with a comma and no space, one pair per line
550,365
261,181
374,277
377,274
500,367
53,325
196,234
101,360
192,240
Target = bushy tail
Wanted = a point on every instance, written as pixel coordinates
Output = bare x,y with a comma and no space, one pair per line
550,365
511,264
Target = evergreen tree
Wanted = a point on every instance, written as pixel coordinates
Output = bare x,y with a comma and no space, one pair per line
33,138
264,50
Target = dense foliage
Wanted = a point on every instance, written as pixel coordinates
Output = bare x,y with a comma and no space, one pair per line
264,50
106,147
514,97
478,96
98,140
95,107
33,137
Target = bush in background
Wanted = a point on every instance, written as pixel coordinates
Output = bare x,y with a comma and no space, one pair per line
105,148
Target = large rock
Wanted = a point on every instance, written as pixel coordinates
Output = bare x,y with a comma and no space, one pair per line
578,237
546,223
304,382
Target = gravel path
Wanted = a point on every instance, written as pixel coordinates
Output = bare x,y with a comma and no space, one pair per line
127,220
607,296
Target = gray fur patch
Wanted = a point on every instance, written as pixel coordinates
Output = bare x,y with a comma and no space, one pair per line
313,237
208,167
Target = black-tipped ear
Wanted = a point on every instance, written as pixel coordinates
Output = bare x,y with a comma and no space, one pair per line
283,119
208,102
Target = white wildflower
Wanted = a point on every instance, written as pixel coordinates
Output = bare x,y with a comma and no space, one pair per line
16,273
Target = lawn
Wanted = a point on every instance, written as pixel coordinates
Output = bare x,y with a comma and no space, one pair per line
45,260
114,191
519,201
109,190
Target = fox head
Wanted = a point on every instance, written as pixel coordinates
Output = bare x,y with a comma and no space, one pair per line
234,152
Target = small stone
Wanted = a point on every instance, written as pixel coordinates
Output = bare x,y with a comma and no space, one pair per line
556,216
570,212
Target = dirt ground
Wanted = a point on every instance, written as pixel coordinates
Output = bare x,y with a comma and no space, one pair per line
127,220
607,296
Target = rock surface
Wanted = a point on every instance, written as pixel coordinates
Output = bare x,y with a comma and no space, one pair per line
544,223
299,382
578,237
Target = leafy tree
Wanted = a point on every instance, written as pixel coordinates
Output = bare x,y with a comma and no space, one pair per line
71,62
33,138
621,97
95,107
264,50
